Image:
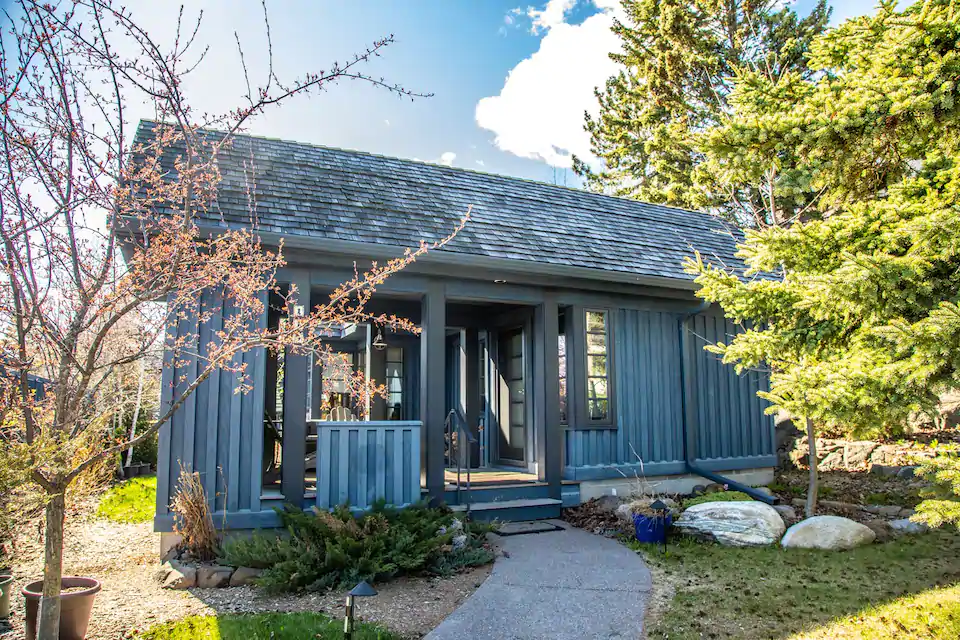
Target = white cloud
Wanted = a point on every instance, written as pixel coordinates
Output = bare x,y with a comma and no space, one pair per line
447,158
539,111
550,16
481,163
386,122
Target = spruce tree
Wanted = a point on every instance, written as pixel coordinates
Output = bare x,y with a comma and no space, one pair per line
856,311
679,62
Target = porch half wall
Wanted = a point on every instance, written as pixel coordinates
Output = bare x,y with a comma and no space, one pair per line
723,410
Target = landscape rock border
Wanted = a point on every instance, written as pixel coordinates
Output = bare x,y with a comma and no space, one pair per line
177,575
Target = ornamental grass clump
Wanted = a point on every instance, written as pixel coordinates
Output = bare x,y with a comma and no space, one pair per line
325,550
192,520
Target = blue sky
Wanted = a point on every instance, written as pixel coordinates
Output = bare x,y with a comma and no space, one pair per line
510,80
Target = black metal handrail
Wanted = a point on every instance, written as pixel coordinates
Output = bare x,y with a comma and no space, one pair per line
463,434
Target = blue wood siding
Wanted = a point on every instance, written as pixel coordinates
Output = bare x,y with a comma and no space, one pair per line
365,461
217,432
732,430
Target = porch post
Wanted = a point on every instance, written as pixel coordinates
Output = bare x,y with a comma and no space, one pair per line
473,391
547,400
432,389
294,444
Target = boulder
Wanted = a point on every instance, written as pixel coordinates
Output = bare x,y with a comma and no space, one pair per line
244,576
907,526
765,491
857,454
173,575
788,513
736,524
213,576
907,472
831,533
607,503
890,511
882,529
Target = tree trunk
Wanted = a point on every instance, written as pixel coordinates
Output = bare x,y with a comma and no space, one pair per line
136,411
48,627
811,509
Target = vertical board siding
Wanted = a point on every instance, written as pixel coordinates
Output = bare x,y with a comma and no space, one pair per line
217,432
368,461
646,354
731,416
649,405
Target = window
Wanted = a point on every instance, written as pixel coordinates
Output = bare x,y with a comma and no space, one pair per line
394,377
562,355
598,366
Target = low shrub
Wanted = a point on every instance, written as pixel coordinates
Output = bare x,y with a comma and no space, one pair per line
325,550
720,496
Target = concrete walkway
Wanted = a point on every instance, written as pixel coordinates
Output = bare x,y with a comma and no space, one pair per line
558,585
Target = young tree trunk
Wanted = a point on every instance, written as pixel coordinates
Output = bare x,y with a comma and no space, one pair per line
811,508
136,411
48,627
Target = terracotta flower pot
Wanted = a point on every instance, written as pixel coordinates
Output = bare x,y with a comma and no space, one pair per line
6,584
75,607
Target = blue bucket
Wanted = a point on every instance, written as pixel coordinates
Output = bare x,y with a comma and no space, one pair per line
651,529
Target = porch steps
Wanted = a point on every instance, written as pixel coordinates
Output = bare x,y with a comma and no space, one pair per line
521,509
511,502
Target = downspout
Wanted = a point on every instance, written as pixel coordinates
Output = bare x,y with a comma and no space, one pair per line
689,430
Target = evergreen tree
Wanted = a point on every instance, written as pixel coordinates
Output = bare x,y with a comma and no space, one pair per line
860,326
679,62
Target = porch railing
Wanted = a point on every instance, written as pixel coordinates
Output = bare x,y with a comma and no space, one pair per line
459,441
361,462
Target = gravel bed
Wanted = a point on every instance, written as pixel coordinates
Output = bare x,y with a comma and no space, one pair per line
124,558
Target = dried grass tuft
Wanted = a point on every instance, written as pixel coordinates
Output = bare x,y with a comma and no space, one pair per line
192,519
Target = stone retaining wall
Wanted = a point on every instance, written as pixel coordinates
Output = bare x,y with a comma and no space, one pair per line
857,455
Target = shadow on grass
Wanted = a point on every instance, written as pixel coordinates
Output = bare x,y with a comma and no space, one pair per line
725,592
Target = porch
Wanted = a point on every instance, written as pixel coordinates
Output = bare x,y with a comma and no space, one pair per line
463,420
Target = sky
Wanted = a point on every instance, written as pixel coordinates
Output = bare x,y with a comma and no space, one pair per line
509,81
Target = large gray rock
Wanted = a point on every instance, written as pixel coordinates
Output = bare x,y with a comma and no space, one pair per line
831,533
907,526
244,576
173,575
213,576
736,524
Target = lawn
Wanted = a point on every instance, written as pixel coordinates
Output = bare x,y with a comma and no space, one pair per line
130,501
904,589
262,626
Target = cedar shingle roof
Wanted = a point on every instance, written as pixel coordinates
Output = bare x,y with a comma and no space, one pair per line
309,190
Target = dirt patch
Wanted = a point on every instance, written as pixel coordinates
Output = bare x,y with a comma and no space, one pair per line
854,487
124,558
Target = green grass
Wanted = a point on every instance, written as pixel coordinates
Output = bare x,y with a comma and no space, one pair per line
130,501
262,626
932,614
726,592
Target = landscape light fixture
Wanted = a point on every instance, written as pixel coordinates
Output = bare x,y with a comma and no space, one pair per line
362,590
661,510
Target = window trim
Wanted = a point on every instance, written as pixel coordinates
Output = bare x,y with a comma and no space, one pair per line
579,376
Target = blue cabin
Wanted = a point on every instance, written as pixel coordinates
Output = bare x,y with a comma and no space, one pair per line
560,355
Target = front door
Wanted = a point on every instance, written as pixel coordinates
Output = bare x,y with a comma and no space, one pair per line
512,400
